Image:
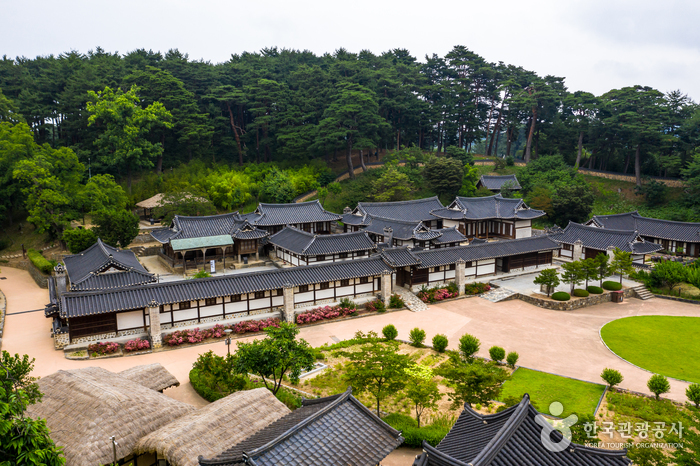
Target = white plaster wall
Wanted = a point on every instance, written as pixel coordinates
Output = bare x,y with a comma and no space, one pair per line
236,307
345,291
523,232
208,311
323,294
364,288
302,297
259,303
129,319
186,314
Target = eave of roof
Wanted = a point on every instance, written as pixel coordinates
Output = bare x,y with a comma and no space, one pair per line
201,242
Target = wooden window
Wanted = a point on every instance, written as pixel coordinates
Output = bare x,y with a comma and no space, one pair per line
436,269
306,227
280,292
235,298
247,245
259,294
343,255
468,264
320,258
319,226
185,305
325,285
303,288
360,253
345,282
364,280
210,301
452,266
567,247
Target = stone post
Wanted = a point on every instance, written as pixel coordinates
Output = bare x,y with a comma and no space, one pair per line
389,236
460,278
611,253
154,327
578,250
386,287
61,281
288,298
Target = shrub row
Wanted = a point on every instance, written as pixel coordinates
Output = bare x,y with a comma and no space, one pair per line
476,288
196,335
579,293
438,293
136,345
561,296
612,286
594,289
40,262
103,348
323,313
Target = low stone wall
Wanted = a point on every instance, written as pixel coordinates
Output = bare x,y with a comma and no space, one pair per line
629,178
572,304
673,298
41,280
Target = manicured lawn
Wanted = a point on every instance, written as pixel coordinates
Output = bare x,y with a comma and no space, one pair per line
661,344
544,389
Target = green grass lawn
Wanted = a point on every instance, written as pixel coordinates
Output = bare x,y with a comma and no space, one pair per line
661,344
544,389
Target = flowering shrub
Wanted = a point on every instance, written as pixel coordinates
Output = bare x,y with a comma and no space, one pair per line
102,348
323,313
184,336
136,345
255,325
476,288
435,294
375,306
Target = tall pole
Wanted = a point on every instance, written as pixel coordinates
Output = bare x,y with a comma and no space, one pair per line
114,448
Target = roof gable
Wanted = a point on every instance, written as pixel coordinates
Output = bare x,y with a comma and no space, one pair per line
604,238
413,210
496,206
308,244
496,182
291,214
400,229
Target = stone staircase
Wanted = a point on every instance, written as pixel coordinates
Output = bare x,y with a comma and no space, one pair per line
412,302
642,292
140,251
498,294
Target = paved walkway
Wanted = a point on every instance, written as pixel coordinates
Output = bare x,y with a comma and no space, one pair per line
565,343
411,301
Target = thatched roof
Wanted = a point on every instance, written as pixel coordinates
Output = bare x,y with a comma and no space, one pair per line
158,201
83,408
153,376
214,428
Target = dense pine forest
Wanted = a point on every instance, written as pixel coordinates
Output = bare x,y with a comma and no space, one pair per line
82,133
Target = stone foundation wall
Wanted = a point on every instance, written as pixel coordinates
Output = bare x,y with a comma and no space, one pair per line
60,341
41,280
572,304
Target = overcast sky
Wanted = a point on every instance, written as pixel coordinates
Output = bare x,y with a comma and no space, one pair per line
597,45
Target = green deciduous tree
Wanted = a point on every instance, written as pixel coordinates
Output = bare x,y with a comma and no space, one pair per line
468,346
621,263
549,278
573,274
421,389
669,274
602,261
573,202
392,185
444,176
693,394
472,382
658,385
279,353
79,239
611,377
589,269
378,369
118,228
471,177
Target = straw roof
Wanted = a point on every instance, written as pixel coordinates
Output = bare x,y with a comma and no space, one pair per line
153,376
214,428
158,201
83,408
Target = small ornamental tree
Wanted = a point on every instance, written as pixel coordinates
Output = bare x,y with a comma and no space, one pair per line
118,228
602,263
417,337
658,385
472,382
693,394
421,389
377,368
390,332
79,239
589,269
573,274
621,263
512,359
611,377
497,353
440,343
669,274
278,354
549,278
468,346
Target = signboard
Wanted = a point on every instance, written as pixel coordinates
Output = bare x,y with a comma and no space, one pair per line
212,264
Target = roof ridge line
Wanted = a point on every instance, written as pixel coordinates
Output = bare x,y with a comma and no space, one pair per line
432,451
295,428
504,434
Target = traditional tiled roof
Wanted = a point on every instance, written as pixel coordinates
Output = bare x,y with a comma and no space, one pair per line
352,219
495,183
418,209
308,244
88,270
328,431
449,235
232,224
82,304
401,230
603,238
649,227
491,250
290,214
511,437
480,208
399,257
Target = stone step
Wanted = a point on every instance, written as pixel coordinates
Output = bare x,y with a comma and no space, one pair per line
642,292
412,302
498,294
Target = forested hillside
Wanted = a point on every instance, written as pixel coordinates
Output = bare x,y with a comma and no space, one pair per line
287,115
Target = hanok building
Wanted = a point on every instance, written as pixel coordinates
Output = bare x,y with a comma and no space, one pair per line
487,217
512,437
307,216
585,242
326,431
497,183
433,267
297,247
147,310
413,234
407,211
678,237
213,237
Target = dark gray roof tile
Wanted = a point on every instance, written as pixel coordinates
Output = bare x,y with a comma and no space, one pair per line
496,182
650,227
480,208
402,230
308,244
602,238
295,213
414,210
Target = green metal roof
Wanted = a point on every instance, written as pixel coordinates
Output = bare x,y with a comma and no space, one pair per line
200,243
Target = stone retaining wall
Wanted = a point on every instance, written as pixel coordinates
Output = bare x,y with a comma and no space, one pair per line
573,303
41,280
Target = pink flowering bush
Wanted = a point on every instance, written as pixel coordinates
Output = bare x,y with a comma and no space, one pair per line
375,306
433,295
255,325
184,336
323,313
136,345
103,348
218,331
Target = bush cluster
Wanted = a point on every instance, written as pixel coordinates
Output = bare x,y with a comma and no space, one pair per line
612,286
196,335
40,262
254,325
512,359
579,293
440,343
561,296
476,288
594,289
375,306
136,345
417,337
395,302
390,332
323,313
432,295
497,353
103,348
414,436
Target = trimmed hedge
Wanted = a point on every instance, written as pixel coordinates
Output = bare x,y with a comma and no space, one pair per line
40,262
595,289
612,286
414,436
579,293
561,296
